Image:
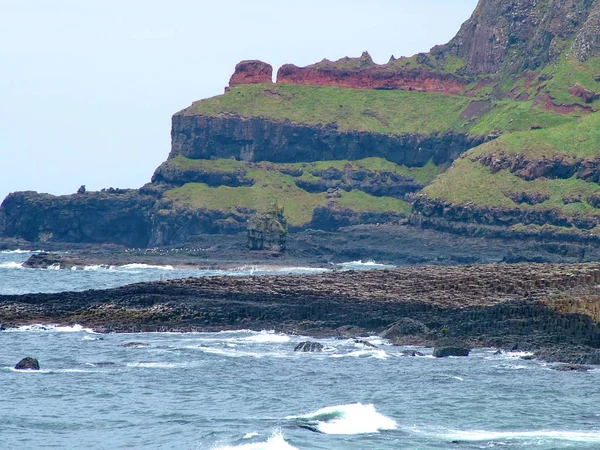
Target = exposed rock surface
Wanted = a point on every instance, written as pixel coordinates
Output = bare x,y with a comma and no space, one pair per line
259,139
363,73
309,346
251,72
524,34
28,364
504,306
120,217
444,352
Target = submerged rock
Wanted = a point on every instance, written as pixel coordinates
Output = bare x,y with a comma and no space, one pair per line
28,364
443,352
572,368
308,346
134,345
365,343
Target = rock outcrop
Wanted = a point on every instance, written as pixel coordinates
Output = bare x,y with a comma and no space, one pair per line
251,72
309,346
446,351
120,216
28,364
259,139
533,307
363,73
524,35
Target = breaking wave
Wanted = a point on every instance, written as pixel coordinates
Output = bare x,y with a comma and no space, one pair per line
50,328
354,418
275,442
11,265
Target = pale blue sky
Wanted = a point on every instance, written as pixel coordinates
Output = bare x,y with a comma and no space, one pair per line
87,88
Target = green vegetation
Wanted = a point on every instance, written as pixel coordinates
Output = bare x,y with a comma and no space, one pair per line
273,186
568,73
393,112
468,181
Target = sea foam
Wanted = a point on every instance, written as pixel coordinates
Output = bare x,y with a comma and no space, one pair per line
480,435
50,328
11,265
275,442
354,418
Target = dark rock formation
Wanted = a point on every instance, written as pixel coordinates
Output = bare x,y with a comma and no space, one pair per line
444,352
28,364
308,346
363,73
258,139
468,218
572,368
45,260
405,327
175,175
365,343
134,345
251,72
540,307
120,217
268,230
382,183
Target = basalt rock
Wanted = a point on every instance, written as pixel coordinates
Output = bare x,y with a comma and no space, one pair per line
175,175
120,217
524,35
309,346
28,364
259,139
444,352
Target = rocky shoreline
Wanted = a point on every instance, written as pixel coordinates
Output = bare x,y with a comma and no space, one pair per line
549,309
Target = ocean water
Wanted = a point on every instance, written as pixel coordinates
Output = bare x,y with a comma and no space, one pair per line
250,390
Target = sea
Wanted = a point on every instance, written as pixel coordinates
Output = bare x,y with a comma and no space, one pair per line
250,390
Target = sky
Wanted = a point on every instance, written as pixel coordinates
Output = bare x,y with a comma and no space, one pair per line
88,88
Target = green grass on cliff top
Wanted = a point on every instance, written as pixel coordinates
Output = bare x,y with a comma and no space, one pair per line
379,111
469,181
271,185
393,112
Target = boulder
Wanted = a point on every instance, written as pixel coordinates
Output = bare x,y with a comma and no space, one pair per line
404,327
443,352
411,353
28,364
308,346
365,343
572,368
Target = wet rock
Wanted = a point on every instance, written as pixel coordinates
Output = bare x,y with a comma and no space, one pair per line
134,345
572,368
404,327
365,343
308,346
28,364
444,352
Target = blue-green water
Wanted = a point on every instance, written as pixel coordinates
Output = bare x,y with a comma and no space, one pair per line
248,390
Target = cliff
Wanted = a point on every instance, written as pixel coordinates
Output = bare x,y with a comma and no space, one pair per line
493,133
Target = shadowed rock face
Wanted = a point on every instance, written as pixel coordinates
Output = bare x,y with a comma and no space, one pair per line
258,139
28,364
117,216
518,35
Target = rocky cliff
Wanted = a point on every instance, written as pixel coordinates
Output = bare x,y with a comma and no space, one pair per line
493,132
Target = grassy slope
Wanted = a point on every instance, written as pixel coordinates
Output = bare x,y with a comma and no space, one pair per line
468,181
271,185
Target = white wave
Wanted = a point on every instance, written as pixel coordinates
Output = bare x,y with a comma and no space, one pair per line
378,354
354,418
369,264
53,267
145,266
19,251
155,365
11,265
267,336
50,328
250,435
97,267
481,435
275,442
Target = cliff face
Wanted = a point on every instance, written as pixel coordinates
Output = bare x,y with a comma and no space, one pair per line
258,139
114,216
518,35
